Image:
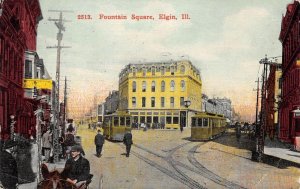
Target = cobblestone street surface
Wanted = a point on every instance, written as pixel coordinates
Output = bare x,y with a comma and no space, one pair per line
167,159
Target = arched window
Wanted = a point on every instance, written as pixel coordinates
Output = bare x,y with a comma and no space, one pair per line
153,86
144,86
172,85
133,86
163,86
182,85
182,69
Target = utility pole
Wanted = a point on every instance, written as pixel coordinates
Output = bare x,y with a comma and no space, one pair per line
59,24
65,108
260,128
257,96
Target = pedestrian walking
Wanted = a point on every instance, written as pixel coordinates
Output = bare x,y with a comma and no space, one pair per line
77,168
181,127
8,166
238,132
46,140
99,141
128,142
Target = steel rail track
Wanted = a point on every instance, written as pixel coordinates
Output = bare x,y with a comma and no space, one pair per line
207,173
179,177
200,169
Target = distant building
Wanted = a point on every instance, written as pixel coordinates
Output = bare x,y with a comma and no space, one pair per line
217,106
289,37
272,100
155,92
112,102
101,112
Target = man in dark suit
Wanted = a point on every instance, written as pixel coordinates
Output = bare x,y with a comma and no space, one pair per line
8,166
99,141
77,168
128,142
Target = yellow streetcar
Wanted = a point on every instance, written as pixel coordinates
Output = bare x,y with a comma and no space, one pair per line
115,125
206,126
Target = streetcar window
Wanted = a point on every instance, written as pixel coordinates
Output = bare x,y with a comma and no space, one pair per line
205,122
116,121
200,122
175,120
127,121
193,122
122,121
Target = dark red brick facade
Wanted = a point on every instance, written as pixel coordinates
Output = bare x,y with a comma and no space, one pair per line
18,30
290,39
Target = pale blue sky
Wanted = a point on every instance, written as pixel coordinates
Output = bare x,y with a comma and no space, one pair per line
223,39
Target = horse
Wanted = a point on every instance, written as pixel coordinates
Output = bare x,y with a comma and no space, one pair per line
54,180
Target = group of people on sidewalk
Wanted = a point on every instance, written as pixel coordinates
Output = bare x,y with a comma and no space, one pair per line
66,142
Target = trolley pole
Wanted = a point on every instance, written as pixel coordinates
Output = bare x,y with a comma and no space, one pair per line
59,24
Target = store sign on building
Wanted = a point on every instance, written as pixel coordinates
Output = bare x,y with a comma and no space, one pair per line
38,83
297,112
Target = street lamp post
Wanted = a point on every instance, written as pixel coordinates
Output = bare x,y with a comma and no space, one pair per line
187,103
12,127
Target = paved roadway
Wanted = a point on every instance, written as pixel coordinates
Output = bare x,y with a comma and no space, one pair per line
166,159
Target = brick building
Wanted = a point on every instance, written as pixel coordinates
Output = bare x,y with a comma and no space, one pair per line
290,39
18,30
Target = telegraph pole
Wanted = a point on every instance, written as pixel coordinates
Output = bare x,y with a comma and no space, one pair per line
257,96
60,25
65,108
260,128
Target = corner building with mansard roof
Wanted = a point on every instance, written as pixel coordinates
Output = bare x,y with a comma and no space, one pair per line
154,93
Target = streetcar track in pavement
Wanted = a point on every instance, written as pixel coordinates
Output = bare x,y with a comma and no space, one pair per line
200,169
207,173
175,164
179,177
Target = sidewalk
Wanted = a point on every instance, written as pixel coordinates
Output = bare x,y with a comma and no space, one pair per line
281,151
275,152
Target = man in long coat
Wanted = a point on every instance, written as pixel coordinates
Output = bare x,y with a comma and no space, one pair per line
99,141
8,166
128,142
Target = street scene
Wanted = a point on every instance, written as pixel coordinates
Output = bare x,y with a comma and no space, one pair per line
149,94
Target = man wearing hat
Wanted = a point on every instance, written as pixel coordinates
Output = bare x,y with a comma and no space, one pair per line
128,142
8,166
77,168
99,141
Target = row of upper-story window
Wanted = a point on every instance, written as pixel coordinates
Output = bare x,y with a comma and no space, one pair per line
291,81
156,69
291,43
162,86
10,62
153,102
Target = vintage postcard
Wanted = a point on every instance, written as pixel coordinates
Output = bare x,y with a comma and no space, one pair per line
145,94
